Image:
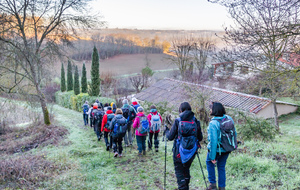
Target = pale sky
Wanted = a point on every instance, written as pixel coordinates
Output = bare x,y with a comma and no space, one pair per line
163,14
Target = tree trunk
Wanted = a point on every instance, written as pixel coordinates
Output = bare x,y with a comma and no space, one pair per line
275,114
44,105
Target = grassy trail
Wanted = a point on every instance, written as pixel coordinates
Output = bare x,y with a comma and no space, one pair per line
259,165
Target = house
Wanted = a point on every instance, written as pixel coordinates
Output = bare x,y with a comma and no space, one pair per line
174,92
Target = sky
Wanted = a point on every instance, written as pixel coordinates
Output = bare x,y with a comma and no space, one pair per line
163,14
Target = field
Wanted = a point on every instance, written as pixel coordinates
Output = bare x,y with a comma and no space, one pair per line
125,64
68,156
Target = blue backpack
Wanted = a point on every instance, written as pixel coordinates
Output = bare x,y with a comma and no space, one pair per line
120,128
143,125
187,139
85,108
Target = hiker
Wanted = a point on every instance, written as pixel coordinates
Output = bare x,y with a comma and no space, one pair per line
85,109
155,121
141,124
105,107
93,111
90,114
118,126
187,132
135,104
129,114
114,107
98,116
109,115
99,103
216,155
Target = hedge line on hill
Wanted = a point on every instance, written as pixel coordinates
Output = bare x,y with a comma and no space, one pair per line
75,102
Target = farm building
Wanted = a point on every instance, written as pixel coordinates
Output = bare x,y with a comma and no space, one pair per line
174,92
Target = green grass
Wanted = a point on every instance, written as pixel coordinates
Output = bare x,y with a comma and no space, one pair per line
87,165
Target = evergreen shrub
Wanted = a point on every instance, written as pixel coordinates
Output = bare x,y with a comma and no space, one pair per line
74,102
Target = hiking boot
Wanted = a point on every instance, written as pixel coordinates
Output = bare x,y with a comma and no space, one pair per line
212,186
99,138
116,154
144,152
107,148
120,155
156,149
221,188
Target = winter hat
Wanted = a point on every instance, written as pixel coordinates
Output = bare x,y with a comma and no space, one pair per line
95,106
133,100
125,101
119,111
140,109
109,108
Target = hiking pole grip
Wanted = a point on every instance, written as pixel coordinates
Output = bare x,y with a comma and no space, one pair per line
202,169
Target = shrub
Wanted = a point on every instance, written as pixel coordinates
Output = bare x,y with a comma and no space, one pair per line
75,102
253,128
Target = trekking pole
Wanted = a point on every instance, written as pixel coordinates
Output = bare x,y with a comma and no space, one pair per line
165,161
201,169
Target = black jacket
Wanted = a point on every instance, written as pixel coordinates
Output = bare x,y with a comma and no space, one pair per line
173,133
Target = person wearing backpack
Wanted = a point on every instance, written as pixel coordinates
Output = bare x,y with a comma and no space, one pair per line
135,104
98,116
113,106
105,107
187,133
107,118
129,114
89,113
93,111
118,126
141,124
85,109
155,121
218,151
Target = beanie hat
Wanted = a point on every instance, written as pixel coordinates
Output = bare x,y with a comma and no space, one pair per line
152,107
109,108
140,109
95,106
125,101
133,100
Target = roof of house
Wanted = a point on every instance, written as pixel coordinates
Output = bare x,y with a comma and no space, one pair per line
294,60
174,92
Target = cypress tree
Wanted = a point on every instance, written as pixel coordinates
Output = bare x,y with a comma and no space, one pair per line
69,77
76,82
83,80
62,79
95,76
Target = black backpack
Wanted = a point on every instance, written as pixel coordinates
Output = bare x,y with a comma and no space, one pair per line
227,139
126,113
120,127
187,133
98,116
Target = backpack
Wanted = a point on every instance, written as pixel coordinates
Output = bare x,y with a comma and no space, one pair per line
155,122
143,125
98,115
187,139
227,139
85,108
120,127
126,113
109,118
136,107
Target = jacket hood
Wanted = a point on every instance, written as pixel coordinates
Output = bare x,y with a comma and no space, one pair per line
119,116
140,114
109,112
134,103
186,115
154,113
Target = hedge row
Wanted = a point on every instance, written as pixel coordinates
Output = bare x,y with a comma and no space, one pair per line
75,102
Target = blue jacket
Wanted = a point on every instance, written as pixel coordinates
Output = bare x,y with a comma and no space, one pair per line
213,131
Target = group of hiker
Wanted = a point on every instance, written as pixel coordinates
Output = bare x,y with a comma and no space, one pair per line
117,123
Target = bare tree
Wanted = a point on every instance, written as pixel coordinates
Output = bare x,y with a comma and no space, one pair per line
138,82
32,32
181,49
107,82
265,30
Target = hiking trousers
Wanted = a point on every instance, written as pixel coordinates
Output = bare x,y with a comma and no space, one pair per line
106,139
128,135
156,142
85,119
141,143
182,172
91,121
117,145
221,162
